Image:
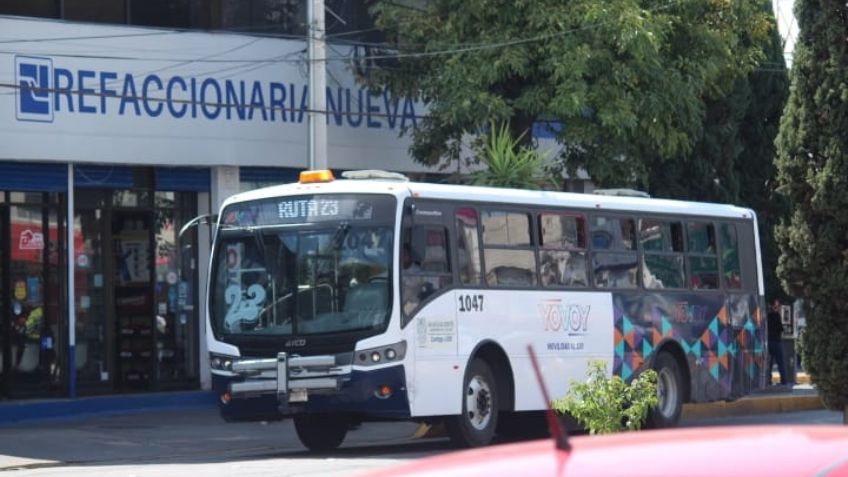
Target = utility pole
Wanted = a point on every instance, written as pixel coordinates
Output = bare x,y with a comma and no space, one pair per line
317,53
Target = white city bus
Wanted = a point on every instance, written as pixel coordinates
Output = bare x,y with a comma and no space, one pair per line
371,298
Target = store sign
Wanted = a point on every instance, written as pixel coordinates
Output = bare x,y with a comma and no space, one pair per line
31,240
127,95
45,90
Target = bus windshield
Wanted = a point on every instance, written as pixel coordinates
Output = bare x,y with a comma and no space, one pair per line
311,277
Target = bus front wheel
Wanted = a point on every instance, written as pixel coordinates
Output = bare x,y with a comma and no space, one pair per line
319,432
479,419
669,392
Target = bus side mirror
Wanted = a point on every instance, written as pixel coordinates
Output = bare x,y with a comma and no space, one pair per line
206,219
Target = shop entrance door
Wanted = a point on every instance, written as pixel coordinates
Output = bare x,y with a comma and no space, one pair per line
133,312
114,297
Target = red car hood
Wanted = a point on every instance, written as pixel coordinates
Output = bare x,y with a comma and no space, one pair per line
714,451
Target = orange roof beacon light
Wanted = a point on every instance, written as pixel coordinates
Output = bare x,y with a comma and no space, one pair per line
310,177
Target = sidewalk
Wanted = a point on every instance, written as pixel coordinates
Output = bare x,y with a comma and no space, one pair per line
14,412
802,396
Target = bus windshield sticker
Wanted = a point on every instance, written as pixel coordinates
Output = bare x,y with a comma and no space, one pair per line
243,306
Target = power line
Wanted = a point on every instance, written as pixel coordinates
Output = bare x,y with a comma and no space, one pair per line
138,58
93,37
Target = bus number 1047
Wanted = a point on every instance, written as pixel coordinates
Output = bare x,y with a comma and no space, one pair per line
470,303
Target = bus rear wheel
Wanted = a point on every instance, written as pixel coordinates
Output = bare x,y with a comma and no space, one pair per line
476,425
320,432
669,392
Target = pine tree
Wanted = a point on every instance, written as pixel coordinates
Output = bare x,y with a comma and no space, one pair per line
813,173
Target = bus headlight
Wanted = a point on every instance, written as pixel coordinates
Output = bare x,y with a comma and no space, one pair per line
372,356
221,362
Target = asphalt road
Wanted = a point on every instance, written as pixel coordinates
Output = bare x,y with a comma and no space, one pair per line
196,442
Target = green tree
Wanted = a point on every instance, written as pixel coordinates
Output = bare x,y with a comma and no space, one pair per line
733,159
509,164
813,173
628,78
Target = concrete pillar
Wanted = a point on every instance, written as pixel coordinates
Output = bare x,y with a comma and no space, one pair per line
225,182
204,248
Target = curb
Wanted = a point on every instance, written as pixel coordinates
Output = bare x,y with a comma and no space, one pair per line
753,405
17,411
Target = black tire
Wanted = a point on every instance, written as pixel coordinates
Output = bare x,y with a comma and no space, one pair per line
518,426
670,390
320,432
476,425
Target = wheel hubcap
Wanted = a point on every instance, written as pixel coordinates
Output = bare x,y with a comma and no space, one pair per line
478,403
666,393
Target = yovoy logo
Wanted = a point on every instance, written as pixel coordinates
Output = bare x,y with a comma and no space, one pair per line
34,77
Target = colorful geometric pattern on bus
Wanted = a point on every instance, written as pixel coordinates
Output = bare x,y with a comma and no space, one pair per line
724,348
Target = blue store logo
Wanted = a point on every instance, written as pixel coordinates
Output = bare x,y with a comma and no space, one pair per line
34,78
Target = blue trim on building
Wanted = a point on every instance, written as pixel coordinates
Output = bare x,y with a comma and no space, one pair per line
103,177
33,177
269,175
184,179
14,412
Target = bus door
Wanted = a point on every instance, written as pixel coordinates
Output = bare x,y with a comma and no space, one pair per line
427,305
426,277
745,307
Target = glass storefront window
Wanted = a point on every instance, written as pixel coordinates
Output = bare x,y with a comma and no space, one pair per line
99,11
26,197
91,357
32,347
131,198
30,8
176,276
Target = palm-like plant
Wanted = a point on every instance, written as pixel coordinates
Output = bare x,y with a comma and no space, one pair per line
508,164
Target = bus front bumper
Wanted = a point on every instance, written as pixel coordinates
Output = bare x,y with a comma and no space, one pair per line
270,389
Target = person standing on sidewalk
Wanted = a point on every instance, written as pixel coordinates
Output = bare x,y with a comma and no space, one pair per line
775,345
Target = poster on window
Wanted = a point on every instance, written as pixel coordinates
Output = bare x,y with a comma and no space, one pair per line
134,261
786,319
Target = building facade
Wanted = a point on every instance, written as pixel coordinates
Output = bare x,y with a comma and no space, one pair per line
112,137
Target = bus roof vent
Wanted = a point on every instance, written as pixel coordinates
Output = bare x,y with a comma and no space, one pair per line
622,193
374,174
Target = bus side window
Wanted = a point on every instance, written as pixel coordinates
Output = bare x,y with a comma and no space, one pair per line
662,262
467,246
425,265
732,278
508,249
615,263
562,253
703,262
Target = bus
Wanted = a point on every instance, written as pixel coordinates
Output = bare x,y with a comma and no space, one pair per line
335,302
